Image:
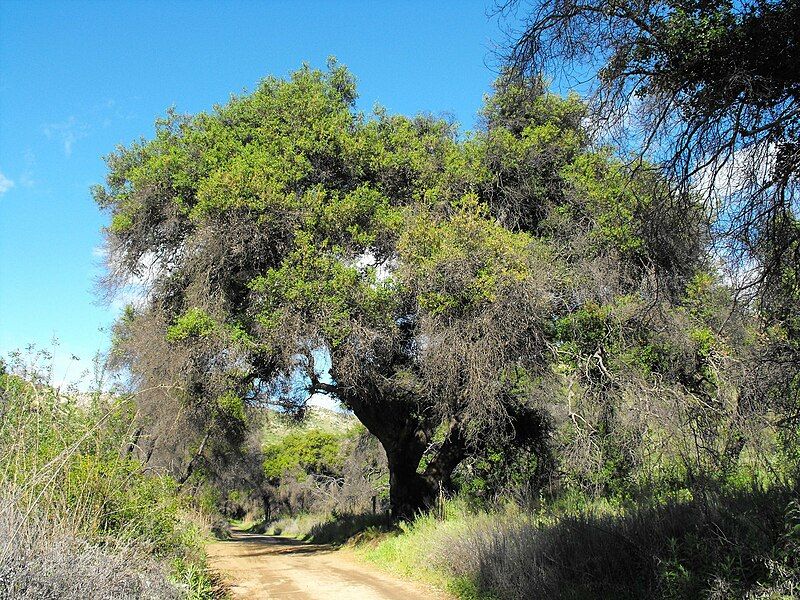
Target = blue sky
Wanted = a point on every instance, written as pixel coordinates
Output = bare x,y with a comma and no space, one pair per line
78,78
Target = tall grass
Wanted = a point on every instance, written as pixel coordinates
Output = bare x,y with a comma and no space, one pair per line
79,518
43,562
738,544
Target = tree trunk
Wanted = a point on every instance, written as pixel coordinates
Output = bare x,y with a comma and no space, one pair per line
193,462
405,437
449,455
265,500
409,492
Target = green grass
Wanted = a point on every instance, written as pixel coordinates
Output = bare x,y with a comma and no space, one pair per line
737,543
64,481
413,550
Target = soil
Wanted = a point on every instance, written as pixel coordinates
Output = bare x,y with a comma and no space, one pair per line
265,567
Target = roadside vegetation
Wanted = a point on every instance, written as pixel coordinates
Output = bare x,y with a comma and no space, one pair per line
80,517
738,544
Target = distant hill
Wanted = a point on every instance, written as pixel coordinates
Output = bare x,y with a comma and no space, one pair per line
279,426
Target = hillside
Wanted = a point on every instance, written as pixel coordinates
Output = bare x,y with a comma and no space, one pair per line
278,426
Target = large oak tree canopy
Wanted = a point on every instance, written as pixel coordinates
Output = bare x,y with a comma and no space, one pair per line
435,270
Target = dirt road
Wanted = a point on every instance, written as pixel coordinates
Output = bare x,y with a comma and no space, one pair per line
266,567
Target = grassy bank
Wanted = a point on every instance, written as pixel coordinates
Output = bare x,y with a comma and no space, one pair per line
81,518
737,544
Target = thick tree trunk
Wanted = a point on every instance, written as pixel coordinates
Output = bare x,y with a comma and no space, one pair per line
405,437
409,492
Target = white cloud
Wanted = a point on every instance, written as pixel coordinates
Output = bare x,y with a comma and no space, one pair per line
68,132
5,184
737,171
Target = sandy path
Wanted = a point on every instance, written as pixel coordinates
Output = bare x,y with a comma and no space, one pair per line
264,567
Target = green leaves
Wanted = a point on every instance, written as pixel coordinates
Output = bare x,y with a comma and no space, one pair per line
464,260
194,323
588,329
302,453
231,407
607,195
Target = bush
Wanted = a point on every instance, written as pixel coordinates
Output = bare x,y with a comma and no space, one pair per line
38,563
79,517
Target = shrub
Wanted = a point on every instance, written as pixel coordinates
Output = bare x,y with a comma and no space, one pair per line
79,516
738,544
38,563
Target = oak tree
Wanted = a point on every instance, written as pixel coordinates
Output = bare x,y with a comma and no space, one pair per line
286,244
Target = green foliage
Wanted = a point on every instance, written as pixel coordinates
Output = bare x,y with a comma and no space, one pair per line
232,407
60,461
302,453
489,257
198,582
120,223
609,197
315,282
588,329
194,323
500,472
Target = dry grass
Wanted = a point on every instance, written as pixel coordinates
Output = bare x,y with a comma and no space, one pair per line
39,562
717,548
743,544
79,518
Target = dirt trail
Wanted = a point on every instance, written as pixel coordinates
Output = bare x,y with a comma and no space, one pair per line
265,567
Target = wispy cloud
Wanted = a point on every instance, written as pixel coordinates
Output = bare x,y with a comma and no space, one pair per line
67,132
5,184
26,177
